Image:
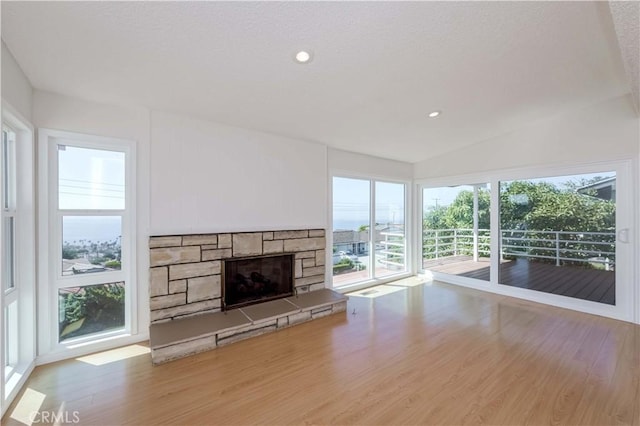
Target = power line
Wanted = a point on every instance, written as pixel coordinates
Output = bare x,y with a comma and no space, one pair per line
92,182
94,189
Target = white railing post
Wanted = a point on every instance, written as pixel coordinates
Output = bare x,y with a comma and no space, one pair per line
475,223
436,244
455,242
557,248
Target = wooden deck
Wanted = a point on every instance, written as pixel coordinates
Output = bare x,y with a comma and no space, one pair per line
581,283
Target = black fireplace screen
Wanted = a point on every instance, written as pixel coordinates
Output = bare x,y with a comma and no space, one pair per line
257,279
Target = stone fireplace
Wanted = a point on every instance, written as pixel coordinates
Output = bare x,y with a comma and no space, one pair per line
186,274
251,280
211,290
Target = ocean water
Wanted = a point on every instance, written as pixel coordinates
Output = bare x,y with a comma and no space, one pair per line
349,224
109,228
91,228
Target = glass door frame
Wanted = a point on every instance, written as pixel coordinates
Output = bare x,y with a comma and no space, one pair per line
372,280
627,293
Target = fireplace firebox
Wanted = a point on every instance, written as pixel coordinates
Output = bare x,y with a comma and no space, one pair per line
247,281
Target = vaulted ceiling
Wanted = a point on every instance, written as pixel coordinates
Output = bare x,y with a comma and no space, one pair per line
378,68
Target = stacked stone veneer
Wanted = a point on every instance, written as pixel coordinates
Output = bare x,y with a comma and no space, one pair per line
185,273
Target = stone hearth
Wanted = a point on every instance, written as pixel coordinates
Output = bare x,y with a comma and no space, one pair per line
187,336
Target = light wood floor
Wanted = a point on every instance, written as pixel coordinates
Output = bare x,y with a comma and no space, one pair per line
420,354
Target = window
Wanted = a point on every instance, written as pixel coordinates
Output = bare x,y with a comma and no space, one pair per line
8,250
369,230
8,266
90,236
17,254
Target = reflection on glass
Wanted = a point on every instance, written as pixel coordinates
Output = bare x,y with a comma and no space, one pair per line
7,163
456,230
390,230
351,213
9,256
11,334
90,309
90,179
91,244
558,235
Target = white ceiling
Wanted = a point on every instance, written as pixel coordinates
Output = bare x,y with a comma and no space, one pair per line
379,68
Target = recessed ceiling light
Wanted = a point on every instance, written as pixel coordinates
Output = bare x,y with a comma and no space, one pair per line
303,57
434,114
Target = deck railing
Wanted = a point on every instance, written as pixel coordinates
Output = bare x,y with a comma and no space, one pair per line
559,247
392,255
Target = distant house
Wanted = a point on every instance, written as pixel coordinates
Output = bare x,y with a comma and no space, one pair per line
357,242
605,189
80,266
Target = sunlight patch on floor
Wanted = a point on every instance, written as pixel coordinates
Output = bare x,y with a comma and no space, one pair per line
27,407
409,282
119,354
376,291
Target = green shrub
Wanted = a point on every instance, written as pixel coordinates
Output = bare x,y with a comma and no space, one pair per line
113,264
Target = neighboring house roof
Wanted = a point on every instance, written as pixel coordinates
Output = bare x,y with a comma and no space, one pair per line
80,266
349,236
605,189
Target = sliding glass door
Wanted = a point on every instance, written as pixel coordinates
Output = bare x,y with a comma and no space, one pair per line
558,235
369,230
351,222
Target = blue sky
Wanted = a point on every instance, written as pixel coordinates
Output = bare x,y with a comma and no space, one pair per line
351,201
91,179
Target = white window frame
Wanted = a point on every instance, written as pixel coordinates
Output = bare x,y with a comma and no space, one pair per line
9,283
50,265
626,218
22,297
408,245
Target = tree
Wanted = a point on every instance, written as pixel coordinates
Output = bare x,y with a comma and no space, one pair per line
69,252
543,207
460,213
526,206
434,218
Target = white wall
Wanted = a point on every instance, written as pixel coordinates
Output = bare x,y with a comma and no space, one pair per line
57,112
606,131
16,89
207,177
353,164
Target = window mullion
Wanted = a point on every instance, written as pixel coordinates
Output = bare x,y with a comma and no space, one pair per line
372,228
